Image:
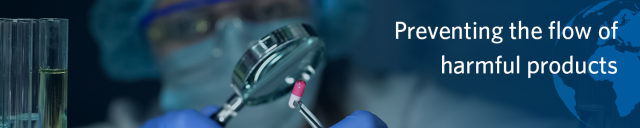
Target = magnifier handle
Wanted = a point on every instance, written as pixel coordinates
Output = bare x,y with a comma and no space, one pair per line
228,110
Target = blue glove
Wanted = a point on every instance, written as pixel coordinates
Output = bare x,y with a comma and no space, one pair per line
194,119
361,119
185,119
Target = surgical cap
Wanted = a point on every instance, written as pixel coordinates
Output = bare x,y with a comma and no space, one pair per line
124,52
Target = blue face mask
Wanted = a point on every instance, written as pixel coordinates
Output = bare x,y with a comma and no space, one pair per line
200,74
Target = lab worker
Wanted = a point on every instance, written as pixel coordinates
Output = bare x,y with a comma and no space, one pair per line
193,46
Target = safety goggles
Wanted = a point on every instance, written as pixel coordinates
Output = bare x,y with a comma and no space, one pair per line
181,22
195,19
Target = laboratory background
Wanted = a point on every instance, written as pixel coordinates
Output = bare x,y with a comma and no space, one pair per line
125,71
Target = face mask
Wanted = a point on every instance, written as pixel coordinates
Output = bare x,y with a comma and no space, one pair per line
200,74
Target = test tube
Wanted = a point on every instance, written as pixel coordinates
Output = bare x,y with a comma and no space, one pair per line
52,59
5,66
22,52
17,38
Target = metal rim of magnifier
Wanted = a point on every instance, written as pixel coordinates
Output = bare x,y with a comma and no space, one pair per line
260,53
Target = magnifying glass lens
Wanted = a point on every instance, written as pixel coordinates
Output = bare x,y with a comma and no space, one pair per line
275,76
268,70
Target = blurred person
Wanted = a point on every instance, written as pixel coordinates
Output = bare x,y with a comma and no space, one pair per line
192,46
382,77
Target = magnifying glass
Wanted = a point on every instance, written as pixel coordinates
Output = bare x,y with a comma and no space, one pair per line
268,70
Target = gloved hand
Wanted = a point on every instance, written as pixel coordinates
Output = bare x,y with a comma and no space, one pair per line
185,119
361,119
194,119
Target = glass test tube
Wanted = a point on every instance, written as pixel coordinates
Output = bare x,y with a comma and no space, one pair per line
5,66
17,38
52,59
22,46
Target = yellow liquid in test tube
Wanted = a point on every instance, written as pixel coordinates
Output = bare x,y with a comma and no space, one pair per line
53,98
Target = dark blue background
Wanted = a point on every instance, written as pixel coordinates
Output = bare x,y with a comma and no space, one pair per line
90,91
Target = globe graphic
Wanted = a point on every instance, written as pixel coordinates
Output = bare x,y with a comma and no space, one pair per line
603,100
